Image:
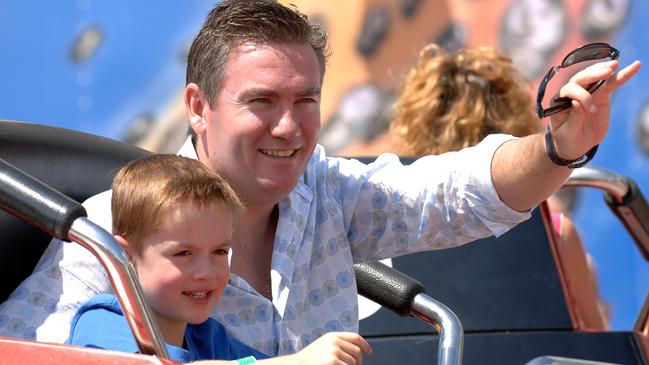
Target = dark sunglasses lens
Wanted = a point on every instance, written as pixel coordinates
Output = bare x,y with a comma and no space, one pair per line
588,54
576,61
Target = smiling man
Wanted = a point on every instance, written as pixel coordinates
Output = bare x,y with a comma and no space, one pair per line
254,77
272,91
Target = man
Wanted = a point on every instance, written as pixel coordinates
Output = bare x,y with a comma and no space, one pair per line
254,77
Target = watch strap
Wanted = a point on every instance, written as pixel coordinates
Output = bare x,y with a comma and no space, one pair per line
571,164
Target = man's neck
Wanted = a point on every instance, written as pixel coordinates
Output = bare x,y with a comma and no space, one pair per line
254,234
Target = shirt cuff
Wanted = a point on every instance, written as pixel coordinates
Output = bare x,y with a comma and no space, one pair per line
497,216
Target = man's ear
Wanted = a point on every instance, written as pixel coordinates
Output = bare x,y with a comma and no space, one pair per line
197,105
130,250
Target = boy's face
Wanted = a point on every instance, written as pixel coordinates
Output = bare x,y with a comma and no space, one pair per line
183,266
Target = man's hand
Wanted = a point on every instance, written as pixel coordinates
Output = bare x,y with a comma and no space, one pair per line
583,126
522,172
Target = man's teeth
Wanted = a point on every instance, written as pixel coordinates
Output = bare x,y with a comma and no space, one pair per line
197,295
277,153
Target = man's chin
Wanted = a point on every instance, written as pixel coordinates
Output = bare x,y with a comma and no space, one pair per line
278,187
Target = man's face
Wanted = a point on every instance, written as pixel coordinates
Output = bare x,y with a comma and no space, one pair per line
262,127
183,265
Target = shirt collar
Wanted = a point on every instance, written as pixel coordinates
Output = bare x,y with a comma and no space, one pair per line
188,150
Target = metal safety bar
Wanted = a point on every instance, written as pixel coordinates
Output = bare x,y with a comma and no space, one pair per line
447,324
406,297
124,281
625,199
601,179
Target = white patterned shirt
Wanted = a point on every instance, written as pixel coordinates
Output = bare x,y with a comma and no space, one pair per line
341,212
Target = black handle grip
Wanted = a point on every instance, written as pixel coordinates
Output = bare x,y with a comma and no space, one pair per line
633,211
387,286
36,203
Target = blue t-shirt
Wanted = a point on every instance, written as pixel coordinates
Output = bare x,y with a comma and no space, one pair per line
100,323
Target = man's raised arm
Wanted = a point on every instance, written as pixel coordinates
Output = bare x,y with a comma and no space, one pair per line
522,171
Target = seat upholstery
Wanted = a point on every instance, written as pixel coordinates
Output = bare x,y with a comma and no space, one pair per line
77,164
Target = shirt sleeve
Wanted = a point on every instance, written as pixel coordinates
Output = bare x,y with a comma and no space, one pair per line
66,276
211,341
99,326
239,350
436,202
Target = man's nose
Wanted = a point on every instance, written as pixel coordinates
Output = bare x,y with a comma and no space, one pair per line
286,126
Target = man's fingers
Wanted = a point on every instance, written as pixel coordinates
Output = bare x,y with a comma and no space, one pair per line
621,77
579,94
576,88
595,72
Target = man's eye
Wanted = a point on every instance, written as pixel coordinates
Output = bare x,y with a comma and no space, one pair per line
261,100
182,253
307,100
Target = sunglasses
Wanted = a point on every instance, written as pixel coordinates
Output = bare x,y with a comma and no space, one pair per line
588,52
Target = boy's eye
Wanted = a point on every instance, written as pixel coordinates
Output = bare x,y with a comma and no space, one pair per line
220,252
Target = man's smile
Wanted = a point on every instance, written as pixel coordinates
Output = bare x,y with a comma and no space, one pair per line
278,153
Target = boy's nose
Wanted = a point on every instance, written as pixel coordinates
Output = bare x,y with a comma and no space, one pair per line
204,268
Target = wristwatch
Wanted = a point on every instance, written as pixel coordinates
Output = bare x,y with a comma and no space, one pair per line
571,164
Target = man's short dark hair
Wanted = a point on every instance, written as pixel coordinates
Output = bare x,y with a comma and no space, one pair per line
234,22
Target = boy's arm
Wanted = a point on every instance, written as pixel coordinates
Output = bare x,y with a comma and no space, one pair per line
522,172
331,348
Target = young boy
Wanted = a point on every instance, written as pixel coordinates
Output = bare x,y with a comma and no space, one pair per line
174,219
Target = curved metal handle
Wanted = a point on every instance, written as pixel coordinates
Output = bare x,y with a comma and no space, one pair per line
623,197
387,286
447,324
405,296
38,204
602,179
31,200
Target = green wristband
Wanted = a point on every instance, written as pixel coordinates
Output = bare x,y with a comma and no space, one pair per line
245,360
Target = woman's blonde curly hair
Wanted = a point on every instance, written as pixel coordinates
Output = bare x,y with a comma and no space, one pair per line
451,101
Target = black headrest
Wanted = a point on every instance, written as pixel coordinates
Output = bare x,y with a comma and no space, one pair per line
77,164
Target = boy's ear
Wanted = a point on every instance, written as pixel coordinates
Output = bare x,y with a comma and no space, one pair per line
125,245
197,105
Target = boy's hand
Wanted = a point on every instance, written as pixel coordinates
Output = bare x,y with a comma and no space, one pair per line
334,348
